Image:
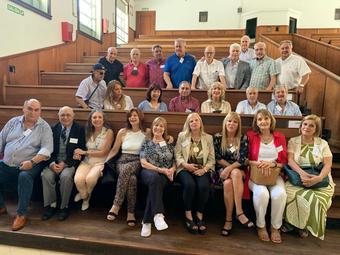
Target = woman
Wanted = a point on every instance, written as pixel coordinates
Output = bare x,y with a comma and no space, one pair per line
195,158
304,151
115,99
158,161
129,140
216,102
99,140
231,152
267,152
136,73
153,102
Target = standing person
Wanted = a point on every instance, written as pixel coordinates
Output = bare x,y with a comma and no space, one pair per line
195,158
129,140
25,141
184,102
251,105
156,66
179,66
99,139
115,99
153,101
158,161
136,73
231,152
67,137
112,65
215,102
267,151
247,54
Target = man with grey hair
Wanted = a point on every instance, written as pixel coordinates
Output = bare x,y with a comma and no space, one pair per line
184,102
294,71
208,70
251,105
112,65
247,54
237,72
156,65
179,66
25,141
263,69
67,136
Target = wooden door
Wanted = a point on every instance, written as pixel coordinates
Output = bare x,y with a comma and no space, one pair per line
145,23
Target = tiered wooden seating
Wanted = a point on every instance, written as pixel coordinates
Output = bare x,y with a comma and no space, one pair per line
62,78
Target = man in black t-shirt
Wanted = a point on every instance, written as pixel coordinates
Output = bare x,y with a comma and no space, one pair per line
113,66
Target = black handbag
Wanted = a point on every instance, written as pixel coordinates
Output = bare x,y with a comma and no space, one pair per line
109,171
295,179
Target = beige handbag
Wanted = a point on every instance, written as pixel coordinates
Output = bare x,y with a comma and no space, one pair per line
257,177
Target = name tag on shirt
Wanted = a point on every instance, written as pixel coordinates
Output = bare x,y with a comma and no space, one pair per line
181,60
161,66
279,149
162,143
185,143
316,151
27,132
278,108
188,110
74,140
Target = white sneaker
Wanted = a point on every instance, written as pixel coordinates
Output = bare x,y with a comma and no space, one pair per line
159,221
77,198
86,204
146,230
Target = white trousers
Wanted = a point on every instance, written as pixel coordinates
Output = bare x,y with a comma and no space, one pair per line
261,195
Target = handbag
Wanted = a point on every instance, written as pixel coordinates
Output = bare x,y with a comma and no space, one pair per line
257,177
295,179
109,171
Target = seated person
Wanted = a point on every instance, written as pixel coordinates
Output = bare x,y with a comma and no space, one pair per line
91,91
250,105
153,102
281,105
115,99
216,102
208,71
136,73
112,65
184,102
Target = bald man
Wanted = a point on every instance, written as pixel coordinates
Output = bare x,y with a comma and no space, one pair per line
112,65
25,141
67,136
208,71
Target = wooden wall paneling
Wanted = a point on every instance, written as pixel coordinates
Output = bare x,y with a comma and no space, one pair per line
332,57
315,91
132,35
47,60
282,29
310,51
66,54
3,77
26,69
145,22
83,47
320,54
309,31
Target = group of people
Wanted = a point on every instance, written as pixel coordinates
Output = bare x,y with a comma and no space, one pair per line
71,154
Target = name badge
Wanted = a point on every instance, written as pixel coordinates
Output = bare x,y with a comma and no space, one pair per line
188,110
185,143
74,140
278,108
135,68
279,149
316,151
162,143
27,132
161,66
181,60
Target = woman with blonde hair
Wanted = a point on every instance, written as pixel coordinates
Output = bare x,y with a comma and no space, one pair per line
231,152
215,102
115,99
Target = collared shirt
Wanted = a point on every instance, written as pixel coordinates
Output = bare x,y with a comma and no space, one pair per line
208,73
180,69
18,144
244,107
139,80
68,130
261,72
113,69
290,109
291,71
156,72
248,55
85,89
190,104
230,73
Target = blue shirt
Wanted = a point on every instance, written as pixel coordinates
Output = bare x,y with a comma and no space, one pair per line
290,109
146,107
19,145
180,69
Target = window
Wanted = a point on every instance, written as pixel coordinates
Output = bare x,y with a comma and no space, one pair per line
337,14
41,7
122,22
89,18
203,17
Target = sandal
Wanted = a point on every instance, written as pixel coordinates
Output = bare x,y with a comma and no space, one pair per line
191,226
111,216
286,227
131,223
202,229
263,234
303,233
225,231
248,223
275,235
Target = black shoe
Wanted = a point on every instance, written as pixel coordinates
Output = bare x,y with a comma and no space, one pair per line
63,214
49,212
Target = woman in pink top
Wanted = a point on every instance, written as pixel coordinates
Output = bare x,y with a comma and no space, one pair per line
136,74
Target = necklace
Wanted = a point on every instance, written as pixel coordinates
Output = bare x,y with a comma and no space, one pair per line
266,140
195,145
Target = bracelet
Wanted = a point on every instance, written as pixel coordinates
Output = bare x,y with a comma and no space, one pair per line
32,162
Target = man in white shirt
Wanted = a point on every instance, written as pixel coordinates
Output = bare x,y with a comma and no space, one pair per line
250,105
294,72
247,53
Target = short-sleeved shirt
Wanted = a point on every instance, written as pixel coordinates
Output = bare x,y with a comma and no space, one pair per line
146,107
230,73
158,154
244,107
291,71
248,55
290,109
180,69
208,73
113,69
116,106
138,80
261,72
190,104
156,72
207,107
85,89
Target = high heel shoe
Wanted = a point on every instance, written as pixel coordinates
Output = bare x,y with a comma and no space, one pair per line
225,231
191,226
248,223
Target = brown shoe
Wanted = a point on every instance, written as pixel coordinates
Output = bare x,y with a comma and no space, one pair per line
19,222
3,211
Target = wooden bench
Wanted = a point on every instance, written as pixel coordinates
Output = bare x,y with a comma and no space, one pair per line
62,78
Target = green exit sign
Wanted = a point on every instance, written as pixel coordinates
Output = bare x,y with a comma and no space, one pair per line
15,9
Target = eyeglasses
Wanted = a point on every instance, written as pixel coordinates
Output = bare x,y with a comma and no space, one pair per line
101,73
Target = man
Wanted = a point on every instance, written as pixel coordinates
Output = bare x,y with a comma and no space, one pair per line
250,105
67,136
25,141
207,71
184,102
294,71
263,69
136,73
91,91
156,65
247,54
281,105
179,66
237,72
113,66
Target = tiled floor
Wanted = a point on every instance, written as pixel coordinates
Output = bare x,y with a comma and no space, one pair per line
13,250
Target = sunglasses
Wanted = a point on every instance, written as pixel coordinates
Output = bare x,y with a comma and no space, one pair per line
101,73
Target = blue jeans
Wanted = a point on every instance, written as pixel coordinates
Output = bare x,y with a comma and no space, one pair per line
25,180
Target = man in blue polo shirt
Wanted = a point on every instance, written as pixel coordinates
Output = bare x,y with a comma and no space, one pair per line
179,66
